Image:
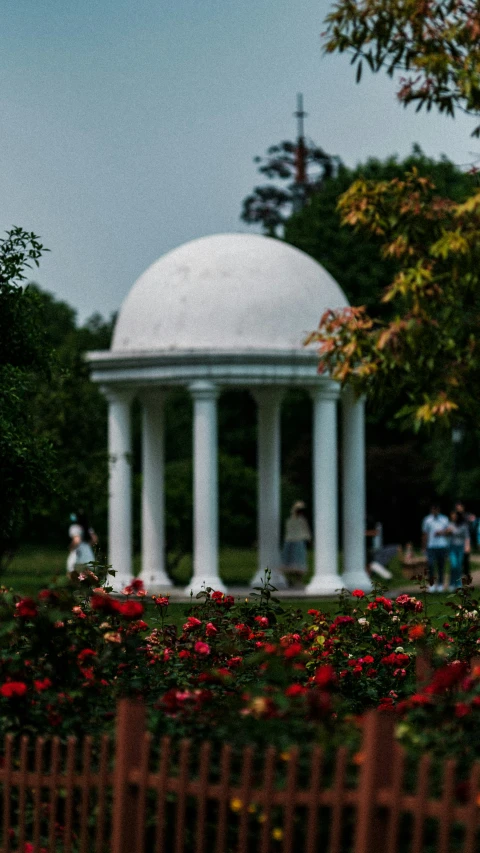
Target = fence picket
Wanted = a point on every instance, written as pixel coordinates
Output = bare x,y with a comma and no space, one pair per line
447,801
53,804
375,773
202,796
130,729
267,791
142,792
336,823
395,801
69,792
224,794
7,781
245,798
471,827
290,801
421,795
37,794
102,794
22,791
182,795
85,797
313,795
162,794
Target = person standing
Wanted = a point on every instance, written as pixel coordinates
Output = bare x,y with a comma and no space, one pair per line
459,537
471,520
297,536
435,543
82,541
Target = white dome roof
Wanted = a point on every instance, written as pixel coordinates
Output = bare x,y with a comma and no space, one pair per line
227,292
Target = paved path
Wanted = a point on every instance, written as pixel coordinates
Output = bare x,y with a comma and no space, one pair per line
178,594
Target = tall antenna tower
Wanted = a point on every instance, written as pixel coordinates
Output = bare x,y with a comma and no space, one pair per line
299,191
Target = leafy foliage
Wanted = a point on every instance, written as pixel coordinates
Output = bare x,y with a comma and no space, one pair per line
353,257
424,358
426,355
242,671
271,205
435,41
26,457
70,412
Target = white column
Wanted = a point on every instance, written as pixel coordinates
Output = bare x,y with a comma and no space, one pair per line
354,501
205,488
153,572
269,402
120,486
325,579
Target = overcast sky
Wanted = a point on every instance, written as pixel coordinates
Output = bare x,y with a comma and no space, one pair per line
129,126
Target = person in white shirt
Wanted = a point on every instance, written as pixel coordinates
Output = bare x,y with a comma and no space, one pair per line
435,543
297,537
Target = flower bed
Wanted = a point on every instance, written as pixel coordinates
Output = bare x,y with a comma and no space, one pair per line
239,671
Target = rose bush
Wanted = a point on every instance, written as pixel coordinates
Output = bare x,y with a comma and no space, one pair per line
240,671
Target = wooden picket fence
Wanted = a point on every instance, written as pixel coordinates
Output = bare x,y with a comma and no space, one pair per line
136,796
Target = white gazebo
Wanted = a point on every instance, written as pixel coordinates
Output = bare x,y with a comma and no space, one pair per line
229,311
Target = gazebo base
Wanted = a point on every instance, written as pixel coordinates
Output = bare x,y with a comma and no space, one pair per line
197,585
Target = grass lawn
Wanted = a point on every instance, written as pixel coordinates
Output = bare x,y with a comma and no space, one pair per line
33,567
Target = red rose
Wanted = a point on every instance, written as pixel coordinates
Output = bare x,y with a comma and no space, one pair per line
232,663
224,673
184,654
103,603
129,609
416,632
395,659
85,654
341,620
358,593
42,684
462,709
210,629
135,586
387,602
262,620
192,622
47,595
313,612
325,675
202,648
217,595
447,676
13,689
161,600
293,650
295,690
420,699
26,608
